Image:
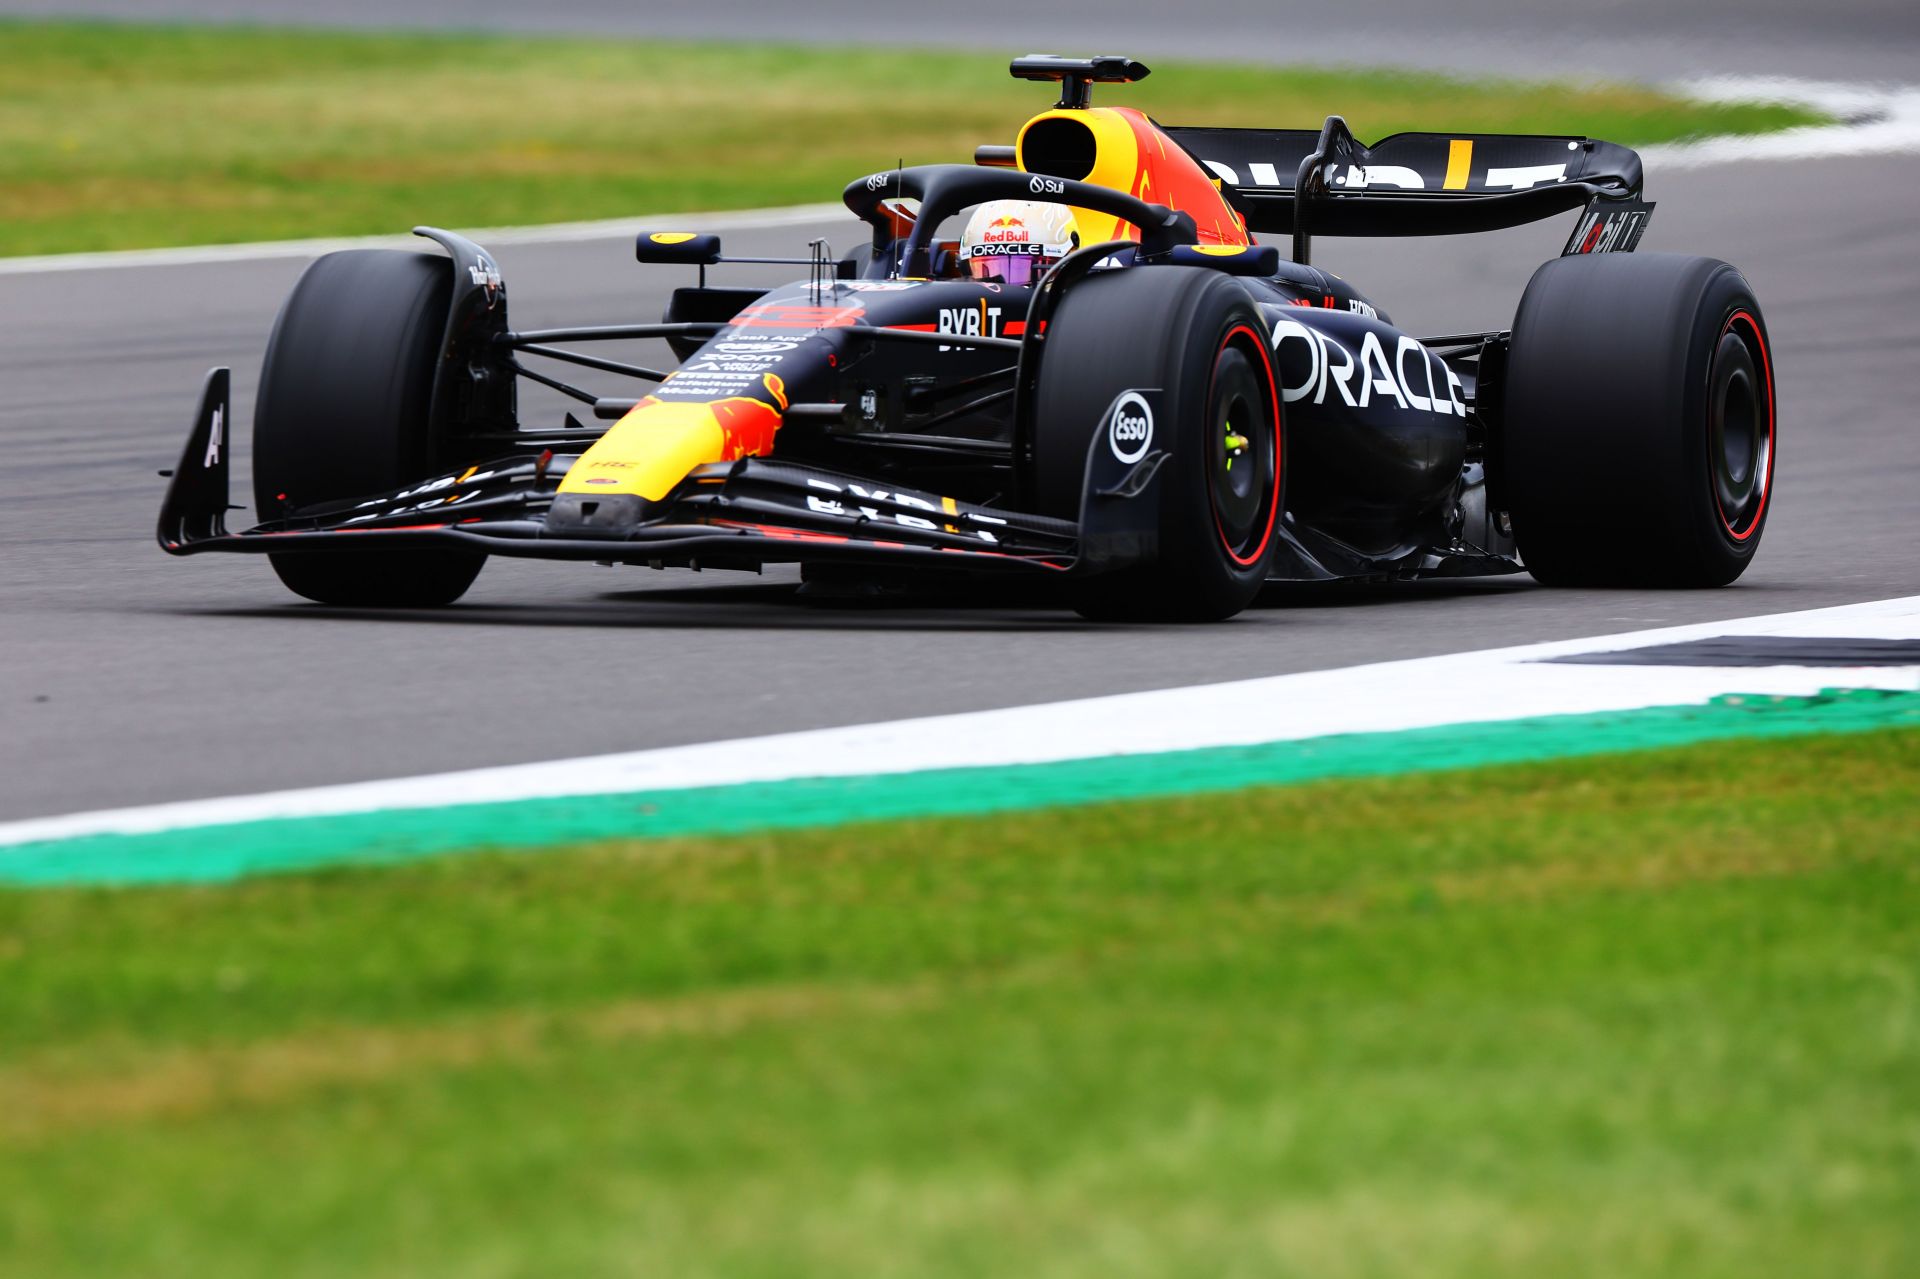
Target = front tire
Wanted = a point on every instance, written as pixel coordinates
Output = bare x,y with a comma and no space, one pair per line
1197,336
344,412
1640,423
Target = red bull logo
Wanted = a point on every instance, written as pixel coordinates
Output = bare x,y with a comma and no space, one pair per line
1004,231
747,426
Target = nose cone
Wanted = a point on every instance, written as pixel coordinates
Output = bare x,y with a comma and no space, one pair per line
649,451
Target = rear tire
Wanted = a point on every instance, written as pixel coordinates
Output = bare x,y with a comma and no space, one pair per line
1640,423
1197,336
344,412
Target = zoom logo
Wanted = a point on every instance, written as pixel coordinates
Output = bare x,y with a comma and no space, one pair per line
1130,429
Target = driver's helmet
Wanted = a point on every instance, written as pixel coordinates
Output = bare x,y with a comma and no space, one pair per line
1015,241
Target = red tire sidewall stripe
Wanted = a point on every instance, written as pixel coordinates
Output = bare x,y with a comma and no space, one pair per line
1766,371
1279,454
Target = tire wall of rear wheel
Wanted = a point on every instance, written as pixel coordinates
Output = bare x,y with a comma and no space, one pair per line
1606,423
1155,327
344,411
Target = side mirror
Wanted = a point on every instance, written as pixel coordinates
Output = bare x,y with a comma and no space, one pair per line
678,248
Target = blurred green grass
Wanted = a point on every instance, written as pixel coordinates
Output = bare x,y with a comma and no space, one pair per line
1651,1014
133,136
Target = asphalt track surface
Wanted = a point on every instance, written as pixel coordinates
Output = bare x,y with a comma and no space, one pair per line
127,677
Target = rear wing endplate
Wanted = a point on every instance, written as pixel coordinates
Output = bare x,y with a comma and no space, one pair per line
1302,182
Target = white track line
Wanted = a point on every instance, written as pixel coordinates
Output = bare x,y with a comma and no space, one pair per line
553,233
1875,120
1427,692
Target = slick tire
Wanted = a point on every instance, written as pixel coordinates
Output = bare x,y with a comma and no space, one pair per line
343,412
1196,335
1640,433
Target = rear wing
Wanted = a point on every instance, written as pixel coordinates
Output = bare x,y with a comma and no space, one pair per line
1302,182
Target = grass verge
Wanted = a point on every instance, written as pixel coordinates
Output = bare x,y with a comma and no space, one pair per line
132,136
1647,1014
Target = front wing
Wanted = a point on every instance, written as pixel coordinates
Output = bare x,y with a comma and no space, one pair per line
738,514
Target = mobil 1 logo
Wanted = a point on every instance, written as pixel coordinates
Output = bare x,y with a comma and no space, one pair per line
1130,427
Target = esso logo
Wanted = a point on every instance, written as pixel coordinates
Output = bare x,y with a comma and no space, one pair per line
1130,432
755,347
1047,186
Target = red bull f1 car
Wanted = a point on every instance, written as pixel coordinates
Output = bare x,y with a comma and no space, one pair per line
1160,413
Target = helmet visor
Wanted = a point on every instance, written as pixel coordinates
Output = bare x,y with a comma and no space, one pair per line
1017,269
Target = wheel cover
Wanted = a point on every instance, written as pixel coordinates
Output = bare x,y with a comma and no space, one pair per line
1243,447
1740,426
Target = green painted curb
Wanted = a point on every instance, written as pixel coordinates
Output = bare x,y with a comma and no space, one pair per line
217,853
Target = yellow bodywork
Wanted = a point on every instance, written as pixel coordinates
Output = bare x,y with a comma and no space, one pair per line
1116,164
650,450
1131,154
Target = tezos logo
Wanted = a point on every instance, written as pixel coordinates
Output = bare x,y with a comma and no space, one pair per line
1047,186
1130,432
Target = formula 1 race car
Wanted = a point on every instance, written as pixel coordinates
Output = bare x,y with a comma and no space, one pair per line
1161,420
